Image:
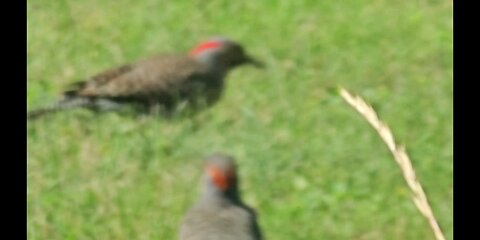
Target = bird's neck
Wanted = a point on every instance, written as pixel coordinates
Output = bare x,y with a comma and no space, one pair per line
213,194
214,66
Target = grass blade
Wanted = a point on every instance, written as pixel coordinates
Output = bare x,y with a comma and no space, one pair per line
401,157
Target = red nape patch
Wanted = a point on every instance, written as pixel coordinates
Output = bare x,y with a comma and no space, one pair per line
220,180
204,46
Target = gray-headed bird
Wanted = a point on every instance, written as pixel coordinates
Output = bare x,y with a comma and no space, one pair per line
219,213
196,79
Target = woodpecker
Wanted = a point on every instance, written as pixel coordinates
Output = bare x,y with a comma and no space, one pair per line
220,214
163,81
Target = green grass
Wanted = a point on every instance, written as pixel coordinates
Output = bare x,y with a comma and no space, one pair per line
310,165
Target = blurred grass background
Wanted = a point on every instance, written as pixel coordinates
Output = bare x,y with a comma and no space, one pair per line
311,166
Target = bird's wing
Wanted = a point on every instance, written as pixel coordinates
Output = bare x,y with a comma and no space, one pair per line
255,228
97,80
146,78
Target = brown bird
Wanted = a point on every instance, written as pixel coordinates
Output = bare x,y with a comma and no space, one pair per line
220,214
159,82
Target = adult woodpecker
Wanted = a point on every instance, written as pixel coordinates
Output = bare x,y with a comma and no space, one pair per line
220,214
162,82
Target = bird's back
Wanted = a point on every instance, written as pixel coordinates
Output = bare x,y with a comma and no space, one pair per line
225,221
149,76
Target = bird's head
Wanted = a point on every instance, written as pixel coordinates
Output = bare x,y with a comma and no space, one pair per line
221,174
220,52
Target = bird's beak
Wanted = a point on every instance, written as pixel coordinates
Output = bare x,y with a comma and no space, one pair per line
254,62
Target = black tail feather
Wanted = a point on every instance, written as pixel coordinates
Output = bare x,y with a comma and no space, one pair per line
64,104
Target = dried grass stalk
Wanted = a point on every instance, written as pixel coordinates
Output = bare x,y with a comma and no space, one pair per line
400,156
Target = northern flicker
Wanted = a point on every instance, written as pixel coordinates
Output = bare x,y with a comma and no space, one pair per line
220,214
159,82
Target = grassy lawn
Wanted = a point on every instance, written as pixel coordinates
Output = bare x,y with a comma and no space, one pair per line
310,165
